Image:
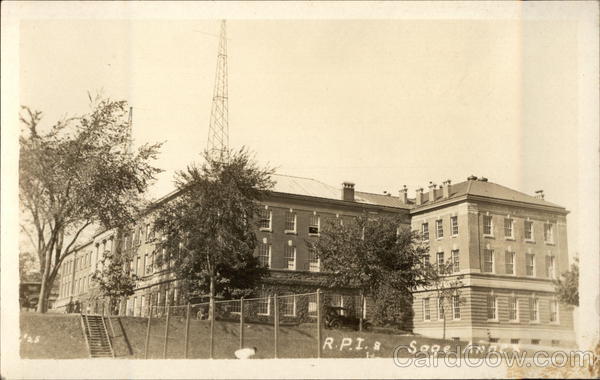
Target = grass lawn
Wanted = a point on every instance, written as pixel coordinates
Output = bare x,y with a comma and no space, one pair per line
59,336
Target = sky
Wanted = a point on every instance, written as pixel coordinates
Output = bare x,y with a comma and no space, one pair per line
381,103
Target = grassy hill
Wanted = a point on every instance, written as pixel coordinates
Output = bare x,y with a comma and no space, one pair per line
60,336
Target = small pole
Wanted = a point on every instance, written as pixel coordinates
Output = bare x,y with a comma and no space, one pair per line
242,322
318,323
148,331
212,328
276,323
187,330
166,332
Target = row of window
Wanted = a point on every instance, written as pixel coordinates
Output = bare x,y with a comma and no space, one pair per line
489,264
488,229
289,253
439,228
509,231
265,221
492,309
447,267
513,309
81,285
444,308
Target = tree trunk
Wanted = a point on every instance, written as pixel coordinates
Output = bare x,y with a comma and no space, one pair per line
362,311
42,305
211,306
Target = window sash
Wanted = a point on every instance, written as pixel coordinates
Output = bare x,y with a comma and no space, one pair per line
508,228
533,309
290,222
512,308
314,264
264,254
290,256
314,225
530,265
488,261
487,225
456,307
265,218
425,231
548,232
553,311
528,230
426,311
509,260
455,261
491,307
454,222
439,229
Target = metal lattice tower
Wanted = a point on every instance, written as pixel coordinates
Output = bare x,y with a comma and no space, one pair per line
218,131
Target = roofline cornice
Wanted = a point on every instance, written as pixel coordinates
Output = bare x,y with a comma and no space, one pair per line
479,198
336,202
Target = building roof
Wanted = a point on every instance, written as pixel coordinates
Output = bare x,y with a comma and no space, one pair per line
313,188
486,189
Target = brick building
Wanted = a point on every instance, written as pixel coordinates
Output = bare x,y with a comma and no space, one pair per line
506,245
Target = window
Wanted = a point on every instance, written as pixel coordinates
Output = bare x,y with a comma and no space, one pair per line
147,232
441,310
455,261
528,230
264,304
488,260
312,305
535,341
290,222
145,266
315,222
456,307
494,340
513,308
555,342
553,311
533,309
550,267
530,264
135,307
487,225
143,306
454,225
425,231
440,262
288,305
492,306
290,255
439,229
548,233
136,239
314,264
508,228
264,219
426,311
264,254
514,341
509,260
138,270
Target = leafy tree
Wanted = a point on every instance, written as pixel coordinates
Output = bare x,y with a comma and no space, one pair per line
567,287
371,254
114,281
76,174
27,268
207,230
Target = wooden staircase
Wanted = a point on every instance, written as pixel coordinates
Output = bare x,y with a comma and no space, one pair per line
96,336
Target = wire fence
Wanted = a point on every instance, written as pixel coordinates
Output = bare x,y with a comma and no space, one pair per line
274,326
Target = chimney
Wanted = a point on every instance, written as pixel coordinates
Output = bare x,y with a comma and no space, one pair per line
539,194
404,195
446,189
432,186
419,199
472,178
348,191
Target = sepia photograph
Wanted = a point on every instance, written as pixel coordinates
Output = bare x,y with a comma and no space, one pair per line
300,190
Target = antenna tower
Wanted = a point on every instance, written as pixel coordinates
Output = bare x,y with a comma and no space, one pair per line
218,131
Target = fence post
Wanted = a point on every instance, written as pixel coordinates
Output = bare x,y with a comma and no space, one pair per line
166,331
242,322
276,323
187,330
318,323
148,331
212,327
